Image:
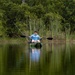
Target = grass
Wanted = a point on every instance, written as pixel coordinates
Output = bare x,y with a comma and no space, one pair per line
12,40
56,38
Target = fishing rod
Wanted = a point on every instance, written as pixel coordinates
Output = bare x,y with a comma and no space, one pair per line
24,36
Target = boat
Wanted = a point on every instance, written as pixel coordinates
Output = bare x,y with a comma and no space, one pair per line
35,45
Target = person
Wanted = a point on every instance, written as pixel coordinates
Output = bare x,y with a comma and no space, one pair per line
35,37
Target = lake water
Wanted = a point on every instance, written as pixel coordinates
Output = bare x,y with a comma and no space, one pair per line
51,59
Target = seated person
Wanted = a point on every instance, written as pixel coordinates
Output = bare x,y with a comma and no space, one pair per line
35,37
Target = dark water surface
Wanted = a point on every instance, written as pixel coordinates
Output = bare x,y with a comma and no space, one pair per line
51,59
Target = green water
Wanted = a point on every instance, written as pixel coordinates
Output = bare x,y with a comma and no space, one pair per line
51,59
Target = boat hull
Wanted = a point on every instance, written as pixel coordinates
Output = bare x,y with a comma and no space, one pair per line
36,45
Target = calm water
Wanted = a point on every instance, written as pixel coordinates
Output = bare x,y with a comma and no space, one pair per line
51,59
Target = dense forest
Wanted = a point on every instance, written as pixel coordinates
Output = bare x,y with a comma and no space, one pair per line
54,18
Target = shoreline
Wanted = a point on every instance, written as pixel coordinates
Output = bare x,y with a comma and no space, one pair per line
12,41
20,40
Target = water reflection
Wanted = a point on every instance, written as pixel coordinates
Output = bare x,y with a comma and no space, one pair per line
13,53
34,54
51,59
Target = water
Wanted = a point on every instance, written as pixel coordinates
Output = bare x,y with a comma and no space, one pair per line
51,59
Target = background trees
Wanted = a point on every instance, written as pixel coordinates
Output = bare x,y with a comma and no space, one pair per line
25,16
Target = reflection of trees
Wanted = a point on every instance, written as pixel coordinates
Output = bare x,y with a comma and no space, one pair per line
54,59
61,61
45,58
53,63
69,60
1,59
11,56
14,59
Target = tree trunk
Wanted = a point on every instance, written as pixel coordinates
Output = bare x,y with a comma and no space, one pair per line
23,1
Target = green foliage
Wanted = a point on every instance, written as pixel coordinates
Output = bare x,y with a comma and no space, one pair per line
1,28
50,19
38,10
17,1
1,23
56,16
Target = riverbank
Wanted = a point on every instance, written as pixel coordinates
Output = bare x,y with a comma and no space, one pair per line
12,40
24,40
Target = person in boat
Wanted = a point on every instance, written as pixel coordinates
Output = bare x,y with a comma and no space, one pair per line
35,37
